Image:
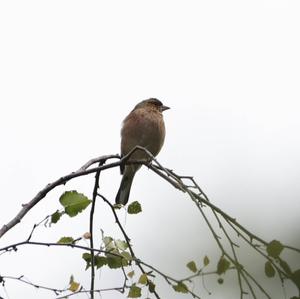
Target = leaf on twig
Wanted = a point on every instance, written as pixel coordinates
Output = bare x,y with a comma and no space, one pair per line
181,288
296,278
121,244
151,286
134,208
126,255
223,265
109,244
269,269
65,240
74,286
143,279
285,266
88,258
74,202
205,261
130,274
274,248
134,292
114,261
99,260
55,217
192,266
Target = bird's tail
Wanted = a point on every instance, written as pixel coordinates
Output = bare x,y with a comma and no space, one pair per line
124,190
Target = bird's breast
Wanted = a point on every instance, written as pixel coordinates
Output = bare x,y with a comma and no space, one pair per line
144,129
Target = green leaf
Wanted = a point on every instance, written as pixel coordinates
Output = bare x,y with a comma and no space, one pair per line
55,217
285,266
192,266
65,240
109,244
88,258
205,261
269,269
223,265
296,278
121,244
181,288
151,286
74,202
274,248
127,256
100,261
143,279
134,292
115,262
134,208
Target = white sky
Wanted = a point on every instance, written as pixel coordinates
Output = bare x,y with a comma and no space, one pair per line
70,71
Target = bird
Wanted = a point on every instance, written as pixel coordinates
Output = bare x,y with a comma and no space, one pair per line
144,126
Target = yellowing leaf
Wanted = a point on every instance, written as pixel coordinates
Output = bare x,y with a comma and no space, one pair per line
206,260
134,292
74,286
223,265
192,266
143,279
130,274
181,288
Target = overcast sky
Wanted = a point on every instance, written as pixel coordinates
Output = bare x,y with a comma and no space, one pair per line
70,71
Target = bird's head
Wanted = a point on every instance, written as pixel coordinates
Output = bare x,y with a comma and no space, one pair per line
153,104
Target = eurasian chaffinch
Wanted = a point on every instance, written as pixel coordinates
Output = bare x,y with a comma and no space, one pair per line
144,126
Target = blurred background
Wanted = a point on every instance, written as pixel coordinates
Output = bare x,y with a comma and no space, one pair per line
70,71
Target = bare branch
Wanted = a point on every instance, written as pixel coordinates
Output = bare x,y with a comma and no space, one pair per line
61,181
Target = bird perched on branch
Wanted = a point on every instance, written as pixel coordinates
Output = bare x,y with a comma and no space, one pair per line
144,126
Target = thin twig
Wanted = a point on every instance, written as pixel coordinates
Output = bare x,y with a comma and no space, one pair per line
127,239
41,194
197,196
96,186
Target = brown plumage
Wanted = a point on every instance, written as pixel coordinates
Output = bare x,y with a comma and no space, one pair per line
144,126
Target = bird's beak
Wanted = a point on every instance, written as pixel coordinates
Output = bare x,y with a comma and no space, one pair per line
163,108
